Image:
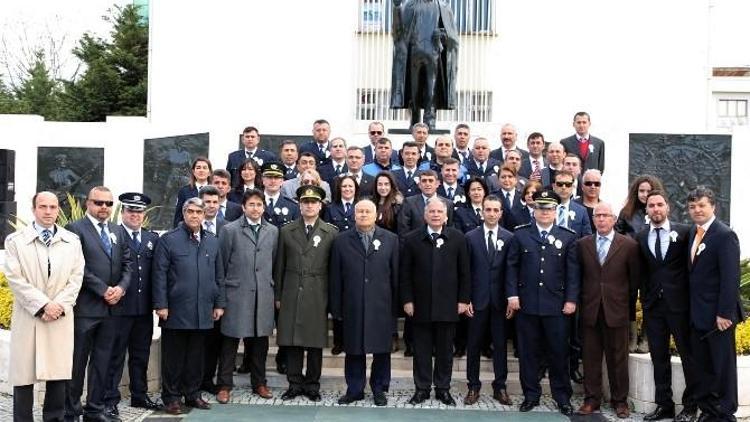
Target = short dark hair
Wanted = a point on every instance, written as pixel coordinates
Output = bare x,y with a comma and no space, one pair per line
384,141
492,197
582,114
287,142
657,192
699,192
534,135
250,129
321,122
471,181
208,190
222,173
450,161
250,193
428,173
564,173
573,155
509,169
461,126
308,154
409,144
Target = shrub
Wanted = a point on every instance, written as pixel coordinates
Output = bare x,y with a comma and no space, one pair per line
6,302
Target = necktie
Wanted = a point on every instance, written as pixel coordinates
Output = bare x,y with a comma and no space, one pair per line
601,249
270,203
195,237
536,165
254,228
321,149
561,216
490,244
478,212
507,196
136,241
47,237
699,232
657,245
105,239
544,234
248,154
308,231
465,155
221,212
348,208
338,169
450,192
434,237
481,168
210,226
365,241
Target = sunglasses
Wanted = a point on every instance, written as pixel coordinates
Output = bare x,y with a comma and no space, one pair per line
564,184
597,184
376,132
102,203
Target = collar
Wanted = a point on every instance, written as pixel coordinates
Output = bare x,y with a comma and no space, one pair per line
198,186
130,231
251,222
495,231
356,175
454,186
430,231
707,225
412,170
425,198
341,163
666,226
344,202
223,204
610,236
579,137
546,229
274,197
565,204
212,220
370,232
244,188
96,222
39,229
247,151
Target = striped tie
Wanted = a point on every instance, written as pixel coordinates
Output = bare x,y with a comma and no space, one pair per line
46,237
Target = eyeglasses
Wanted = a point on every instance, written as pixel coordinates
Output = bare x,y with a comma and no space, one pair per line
102,203
592,183
564,184
376,132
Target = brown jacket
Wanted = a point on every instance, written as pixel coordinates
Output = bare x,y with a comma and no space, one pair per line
609,285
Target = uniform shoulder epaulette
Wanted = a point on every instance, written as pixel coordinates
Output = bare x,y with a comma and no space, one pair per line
520,226
330,226
567,229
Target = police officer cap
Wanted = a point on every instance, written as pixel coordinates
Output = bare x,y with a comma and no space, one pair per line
546,199
272,169
311,192
134,201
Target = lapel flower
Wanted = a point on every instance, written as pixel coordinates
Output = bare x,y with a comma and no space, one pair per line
439,243
558,244
328,153
551,239
316,241
459,198
376,244
150,245
647,219
496,168
285,210
113,238
572,214
277,210
500,244
428,154
701,248
673,235
258,160
416,179
591,149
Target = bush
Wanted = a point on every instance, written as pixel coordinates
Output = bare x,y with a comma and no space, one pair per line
6,302
742,336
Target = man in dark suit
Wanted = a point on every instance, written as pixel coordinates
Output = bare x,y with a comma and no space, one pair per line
336,166
135,322
511,197
487,246
610,267
375,131
589,148
715,307
461,134
555,157
188,295
665,300
508,138
228,210
420,132
531,167
319,145
450,188
480,164
250,140
106,278
542,284
355,159
435,289
407,177
411,216
289,153
363,292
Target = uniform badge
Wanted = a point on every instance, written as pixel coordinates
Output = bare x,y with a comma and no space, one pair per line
701,248
277,210
258,160
150,245
673,235
376,244
113,238
572,215
558,244
285,210
551,239
439,243
136,197
316,241
500,244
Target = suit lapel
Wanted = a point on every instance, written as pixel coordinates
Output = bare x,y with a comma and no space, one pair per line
614,248
643,240
96,234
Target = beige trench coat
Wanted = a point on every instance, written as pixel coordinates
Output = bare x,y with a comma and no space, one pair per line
39,350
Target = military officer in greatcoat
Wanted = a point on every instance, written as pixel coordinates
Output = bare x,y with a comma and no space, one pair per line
542,284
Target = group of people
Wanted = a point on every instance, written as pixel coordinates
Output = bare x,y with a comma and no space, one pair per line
473,247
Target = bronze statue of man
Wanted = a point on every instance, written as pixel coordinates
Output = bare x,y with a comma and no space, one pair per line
425,58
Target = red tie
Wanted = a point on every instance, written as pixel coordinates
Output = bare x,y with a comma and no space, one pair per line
583,148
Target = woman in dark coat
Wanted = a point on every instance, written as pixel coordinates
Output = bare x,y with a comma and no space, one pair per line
340,212
465,216
200,176
246,178
388,200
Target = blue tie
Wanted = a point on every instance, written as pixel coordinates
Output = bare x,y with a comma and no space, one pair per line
602,249
348,208
450,192
544,234
105,240
136,242
47,236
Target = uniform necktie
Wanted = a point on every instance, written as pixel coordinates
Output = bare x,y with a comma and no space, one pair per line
338,169
136,241
450,192
409,174
657,245
47,237
270,203
478,212
308,231
481,168
248,154
699,232
507,196
601,249
348,208
105,240
561,220
490,244
434,237
544,234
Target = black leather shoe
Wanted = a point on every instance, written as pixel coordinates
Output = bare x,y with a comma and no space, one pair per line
146,403
347,399
313,395
688,414
566,409
419,397
291,394
111,410
445,397
198,403
280,368
408,351
527,405
336,350
661,412
379,399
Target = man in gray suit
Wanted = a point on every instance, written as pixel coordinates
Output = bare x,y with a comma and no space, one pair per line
248,248
106,277
582,144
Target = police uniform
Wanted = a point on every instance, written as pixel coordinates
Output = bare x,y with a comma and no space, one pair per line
543,273
339,216
284,210
135,315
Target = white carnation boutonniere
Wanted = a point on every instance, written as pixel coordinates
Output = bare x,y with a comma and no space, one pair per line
459,198
647,220
113,238
285,210
496,168
701,248
258,160
376,244
439,243
572,215
591,149
316,241
428,155
673,236
328,153
558,244
500,244
277,210
150,245
551,239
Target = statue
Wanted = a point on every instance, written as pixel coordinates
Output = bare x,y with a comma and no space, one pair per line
425,58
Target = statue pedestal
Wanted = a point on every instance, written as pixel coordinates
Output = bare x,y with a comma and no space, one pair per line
408,131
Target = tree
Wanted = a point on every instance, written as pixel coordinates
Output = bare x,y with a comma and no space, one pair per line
38,92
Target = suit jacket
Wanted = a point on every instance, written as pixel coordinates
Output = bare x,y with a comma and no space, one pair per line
370,156
312,147
491,168
465,218
459,196
543,274
237,158
290,172
548,176
500,156
363,289
407,187
137,300
595,159
328,172
101,270
188,279
435,279
248,278
284,211
336,214
714,277
233,211
301,276
608,286
488,272
578,219
667,278
526,168
411,216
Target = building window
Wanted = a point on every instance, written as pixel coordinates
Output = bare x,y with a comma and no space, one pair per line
731,112
473,106
472,16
